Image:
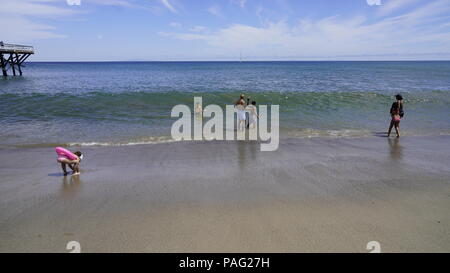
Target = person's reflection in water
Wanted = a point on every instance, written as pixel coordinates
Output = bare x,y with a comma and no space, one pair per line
70,186
241,156
395,148
245,149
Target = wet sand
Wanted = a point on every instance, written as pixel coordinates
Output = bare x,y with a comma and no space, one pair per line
311,195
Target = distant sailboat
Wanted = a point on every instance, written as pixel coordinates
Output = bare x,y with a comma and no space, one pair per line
240,57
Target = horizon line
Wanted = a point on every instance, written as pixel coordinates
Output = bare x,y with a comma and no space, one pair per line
232,61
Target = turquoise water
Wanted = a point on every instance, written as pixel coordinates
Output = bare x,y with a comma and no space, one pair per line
130,102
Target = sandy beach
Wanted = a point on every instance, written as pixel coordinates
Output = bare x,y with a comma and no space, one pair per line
311,195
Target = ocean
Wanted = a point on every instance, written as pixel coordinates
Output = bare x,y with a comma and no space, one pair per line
126,103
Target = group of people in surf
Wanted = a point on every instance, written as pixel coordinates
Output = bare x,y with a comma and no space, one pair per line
243,107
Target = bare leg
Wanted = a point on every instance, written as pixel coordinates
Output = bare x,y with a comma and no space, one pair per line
397,129
76,169
390,128
63,166
247,121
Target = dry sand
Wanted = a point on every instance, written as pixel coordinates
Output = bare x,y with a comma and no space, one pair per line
311,195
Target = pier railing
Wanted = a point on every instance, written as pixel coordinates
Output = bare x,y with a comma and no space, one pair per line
10,48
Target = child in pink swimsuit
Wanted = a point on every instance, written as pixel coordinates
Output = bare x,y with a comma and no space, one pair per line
74,165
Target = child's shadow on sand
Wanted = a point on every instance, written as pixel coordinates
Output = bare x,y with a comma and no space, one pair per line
60,174
56,174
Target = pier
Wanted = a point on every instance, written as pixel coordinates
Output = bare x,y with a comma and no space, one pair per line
13,56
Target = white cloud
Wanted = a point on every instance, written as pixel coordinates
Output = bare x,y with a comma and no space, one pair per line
21,15
215,10
175,24
241,3
198,29
27,15
33,8
118,3
389,6
407,33
169,6
25,30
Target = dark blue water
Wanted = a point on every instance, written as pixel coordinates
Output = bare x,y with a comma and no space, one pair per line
130,102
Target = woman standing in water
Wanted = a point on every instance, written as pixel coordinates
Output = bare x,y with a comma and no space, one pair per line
396,114
253,115
240,106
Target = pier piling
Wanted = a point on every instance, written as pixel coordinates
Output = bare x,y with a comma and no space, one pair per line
13,56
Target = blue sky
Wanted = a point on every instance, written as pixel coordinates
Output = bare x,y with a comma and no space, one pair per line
107,30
